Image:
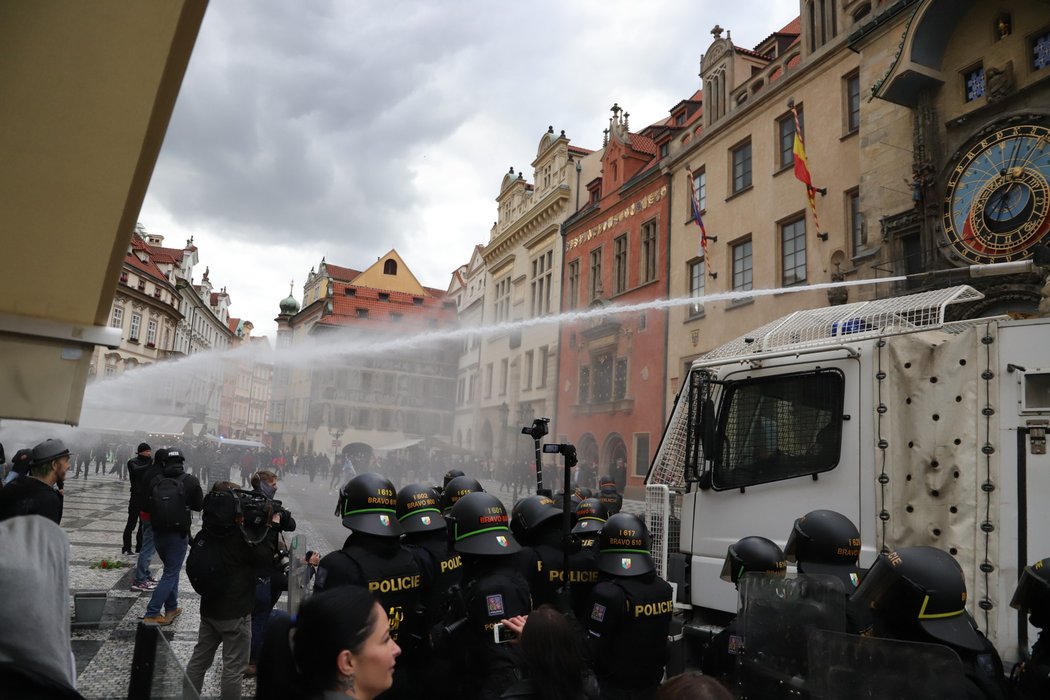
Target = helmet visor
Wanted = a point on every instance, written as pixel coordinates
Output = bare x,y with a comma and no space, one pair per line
1030,588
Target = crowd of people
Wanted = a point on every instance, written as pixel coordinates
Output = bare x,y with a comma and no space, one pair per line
442,582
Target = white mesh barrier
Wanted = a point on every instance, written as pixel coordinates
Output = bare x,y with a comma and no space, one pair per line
665,527
863,319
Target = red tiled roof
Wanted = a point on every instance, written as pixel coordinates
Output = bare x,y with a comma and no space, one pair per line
214,298
167,255
643,144
342,274
382,311
579,150
233,323
792,27
750,52
149,267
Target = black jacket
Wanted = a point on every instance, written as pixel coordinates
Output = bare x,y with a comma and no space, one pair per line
191,486
137,468
244,563
27,495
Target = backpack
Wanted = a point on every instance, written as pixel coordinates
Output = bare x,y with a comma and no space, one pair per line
167,503
206,566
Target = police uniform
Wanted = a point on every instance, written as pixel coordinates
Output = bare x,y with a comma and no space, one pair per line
1032,677
627,622
628,614
611,499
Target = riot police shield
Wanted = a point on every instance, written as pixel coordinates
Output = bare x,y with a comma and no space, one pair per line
776,616
300,572
848,667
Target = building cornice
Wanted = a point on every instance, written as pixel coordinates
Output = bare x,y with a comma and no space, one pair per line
549,210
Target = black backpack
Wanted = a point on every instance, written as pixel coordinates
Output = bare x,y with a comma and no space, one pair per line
206,566
167,503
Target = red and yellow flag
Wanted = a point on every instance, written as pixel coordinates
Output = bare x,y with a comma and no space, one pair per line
802,168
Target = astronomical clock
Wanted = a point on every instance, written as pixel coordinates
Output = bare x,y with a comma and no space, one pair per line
997,197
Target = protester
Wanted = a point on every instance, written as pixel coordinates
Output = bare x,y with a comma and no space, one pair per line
555,666
692,686
137,468
39,494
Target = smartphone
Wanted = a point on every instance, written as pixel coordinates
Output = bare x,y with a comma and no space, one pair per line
502,634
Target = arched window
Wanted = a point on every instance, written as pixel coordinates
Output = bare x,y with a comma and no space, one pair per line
390,267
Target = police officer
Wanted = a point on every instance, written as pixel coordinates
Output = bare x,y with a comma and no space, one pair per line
456,488
628,612
1031,678
38,492
826,542
449,476
609,495
918,594
372,557
493,590
536,525
426,535
591,515
750,554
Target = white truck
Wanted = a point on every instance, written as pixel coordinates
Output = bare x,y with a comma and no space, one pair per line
921,430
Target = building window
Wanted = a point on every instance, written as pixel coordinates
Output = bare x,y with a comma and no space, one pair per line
641,454
585,385
118,317
390,267
572,296
603,374
974,81
853,103
596,273
786,139
151,332
384,296
793,251
1041,51
648,251
620,263
541,381
858,236
665,150
542,274
697,273
741,167
503,299
503,372
111,370
620,380
362,313
488,380
527,374
700,189
742,267
136,326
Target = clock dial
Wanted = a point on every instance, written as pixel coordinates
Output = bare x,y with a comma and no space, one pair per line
997,201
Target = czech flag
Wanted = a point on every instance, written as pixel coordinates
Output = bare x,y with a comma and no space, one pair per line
694,199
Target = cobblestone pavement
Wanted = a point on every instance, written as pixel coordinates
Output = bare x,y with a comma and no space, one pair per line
95,512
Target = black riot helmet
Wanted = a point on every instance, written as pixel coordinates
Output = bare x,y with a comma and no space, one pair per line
625,547
583,493
591,515
529,513
826,542
368,503
479,524
753,554
606,483
450,475
1033,592
456,488
919,589
418,509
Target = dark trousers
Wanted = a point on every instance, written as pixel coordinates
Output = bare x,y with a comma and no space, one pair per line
133,520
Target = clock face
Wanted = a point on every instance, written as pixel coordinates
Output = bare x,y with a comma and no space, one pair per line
997,201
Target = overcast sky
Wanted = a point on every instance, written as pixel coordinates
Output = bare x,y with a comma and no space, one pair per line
345,128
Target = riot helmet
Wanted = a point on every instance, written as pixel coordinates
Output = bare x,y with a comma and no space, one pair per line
529,513
606,482
479,524
583,493
625,547
456,488
591,515
417,509
920,588
753,554
450,475
368,503
1033,592
826,542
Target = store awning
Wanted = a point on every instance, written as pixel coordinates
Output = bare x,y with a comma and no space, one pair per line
234,442
132,422
403,444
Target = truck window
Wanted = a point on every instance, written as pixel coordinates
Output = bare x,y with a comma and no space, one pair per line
781,427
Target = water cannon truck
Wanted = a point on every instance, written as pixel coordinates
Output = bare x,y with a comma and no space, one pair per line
920,429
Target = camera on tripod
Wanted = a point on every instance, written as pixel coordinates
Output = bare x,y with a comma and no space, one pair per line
538,429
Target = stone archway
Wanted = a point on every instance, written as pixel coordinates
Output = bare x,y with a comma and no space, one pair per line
615,460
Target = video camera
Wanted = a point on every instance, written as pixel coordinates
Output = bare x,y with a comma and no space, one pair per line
566,450
249,511
538,429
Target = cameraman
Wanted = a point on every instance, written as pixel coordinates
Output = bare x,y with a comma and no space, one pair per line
274,581
228,591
